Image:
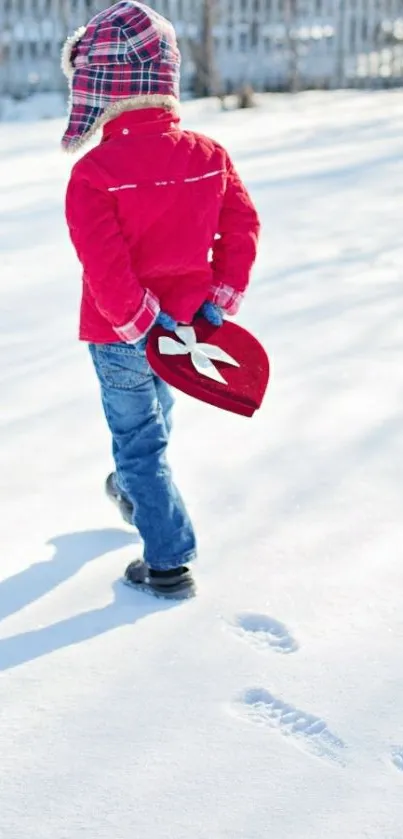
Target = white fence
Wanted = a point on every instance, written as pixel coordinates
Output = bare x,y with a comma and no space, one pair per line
272,44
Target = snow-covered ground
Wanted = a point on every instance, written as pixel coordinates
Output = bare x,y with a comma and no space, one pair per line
272,705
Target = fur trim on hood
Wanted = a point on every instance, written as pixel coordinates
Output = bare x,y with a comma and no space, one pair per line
66,62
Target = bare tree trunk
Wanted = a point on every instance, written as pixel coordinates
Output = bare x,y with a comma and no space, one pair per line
203,53
291,20
208,47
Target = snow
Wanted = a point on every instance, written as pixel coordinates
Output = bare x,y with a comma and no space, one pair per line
271,705
37,107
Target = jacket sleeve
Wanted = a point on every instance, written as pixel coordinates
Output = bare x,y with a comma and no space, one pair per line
104,255
235,248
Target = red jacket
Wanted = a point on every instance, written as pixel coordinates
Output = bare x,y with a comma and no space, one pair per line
160,220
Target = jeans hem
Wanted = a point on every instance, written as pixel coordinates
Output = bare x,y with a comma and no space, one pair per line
173,562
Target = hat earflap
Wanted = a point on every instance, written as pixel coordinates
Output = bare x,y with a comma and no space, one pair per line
66,60
115,109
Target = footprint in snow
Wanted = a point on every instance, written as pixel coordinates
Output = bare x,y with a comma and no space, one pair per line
263,632
397,758
258,706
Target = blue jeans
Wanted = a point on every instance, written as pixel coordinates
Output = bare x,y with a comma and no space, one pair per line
138,407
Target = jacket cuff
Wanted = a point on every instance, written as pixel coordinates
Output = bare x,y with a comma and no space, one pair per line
141,323
226,298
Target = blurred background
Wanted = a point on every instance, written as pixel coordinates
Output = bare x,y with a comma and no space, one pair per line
227,45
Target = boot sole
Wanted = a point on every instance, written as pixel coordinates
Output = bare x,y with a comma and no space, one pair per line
185,592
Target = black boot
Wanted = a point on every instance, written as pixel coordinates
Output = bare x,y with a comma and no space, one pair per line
121,501
177,583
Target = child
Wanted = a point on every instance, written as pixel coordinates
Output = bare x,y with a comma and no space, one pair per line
144,208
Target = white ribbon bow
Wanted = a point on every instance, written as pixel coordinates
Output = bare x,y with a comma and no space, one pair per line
200,354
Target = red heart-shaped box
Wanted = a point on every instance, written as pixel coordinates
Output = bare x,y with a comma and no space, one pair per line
245,384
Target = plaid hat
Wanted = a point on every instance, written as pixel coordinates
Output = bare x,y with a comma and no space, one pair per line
127,57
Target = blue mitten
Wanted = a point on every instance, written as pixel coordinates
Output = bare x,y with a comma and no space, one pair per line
166,322
212,313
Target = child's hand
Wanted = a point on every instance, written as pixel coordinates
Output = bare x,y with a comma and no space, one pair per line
212,313
166,322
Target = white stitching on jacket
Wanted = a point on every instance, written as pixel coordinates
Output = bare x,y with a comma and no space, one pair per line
171,183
